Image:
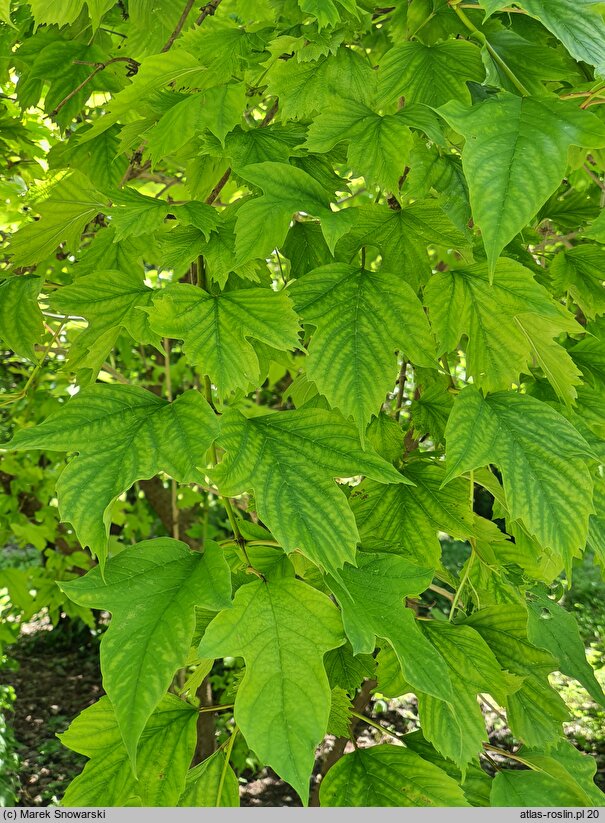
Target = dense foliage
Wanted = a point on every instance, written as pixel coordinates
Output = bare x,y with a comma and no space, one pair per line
295,288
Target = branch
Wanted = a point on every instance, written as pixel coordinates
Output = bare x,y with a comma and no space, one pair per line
208,10
179,26
133,66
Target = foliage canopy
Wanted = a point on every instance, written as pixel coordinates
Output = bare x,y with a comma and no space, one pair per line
319,278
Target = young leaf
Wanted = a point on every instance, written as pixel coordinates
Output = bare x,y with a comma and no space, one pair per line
281,628
289,459
388,776
217,329
541,456
164,753
122,434
151,590
579,272
537,134
361,317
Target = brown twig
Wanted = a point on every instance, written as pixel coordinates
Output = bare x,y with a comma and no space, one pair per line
400,388
133,65
594,177
179,26
208,10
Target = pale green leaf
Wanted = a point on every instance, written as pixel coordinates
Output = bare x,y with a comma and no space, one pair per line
263,222
541,457
372,598
429,74
21,321
211,783
164,753
122,434
388,776
289,460
281,629
71,206
378,146
361,318
65,12
218,109
111,301
508,323
217,329
515,157
326,11
151,590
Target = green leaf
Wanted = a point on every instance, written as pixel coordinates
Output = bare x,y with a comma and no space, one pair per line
402,236
429,74
371,597
378,146
211,783
217,330
579,272
71,206
529,788
122,434
515,157
339,722
554,629
112,302
346,670
578,24
326,11
263,222
541,457
388,776
281,628
361,317
535,712
151,590
569,767
164,753
509,322
65,12
21,321
457,729
289,460
406,519
305,88
218,109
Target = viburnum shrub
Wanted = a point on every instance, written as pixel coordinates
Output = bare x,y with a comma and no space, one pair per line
336,268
